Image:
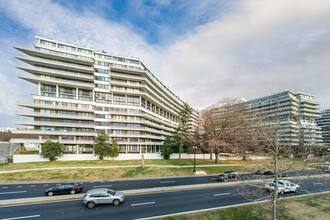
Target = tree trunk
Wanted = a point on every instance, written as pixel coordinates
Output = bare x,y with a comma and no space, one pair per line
216,157
276,178
142,161
211,154
180,147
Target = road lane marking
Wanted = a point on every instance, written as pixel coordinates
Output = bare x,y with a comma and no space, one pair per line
213,178
222,207
145,203
45,184
33,186
5,187
19,187
102,186
30,216
168,181
12,192
222,194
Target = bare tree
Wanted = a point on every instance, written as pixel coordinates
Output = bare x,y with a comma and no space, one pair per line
225,131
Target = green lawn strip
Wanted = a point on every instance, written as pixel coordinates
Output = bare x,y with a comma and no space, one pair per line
112,173
87,163
311,207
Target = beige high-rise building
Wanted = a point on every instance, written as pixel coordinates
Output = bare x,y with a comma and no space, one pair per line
82,92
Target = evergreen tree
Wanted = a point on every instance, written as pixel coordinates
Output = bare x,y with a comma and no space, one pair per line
51,150
114,149
166,148
181,133
102,146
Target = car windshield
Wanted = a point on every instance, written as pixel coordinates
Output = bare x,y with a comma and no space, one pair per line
111,192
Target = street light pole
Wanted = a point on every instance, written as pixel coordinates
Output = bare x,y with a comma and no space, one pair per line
194,148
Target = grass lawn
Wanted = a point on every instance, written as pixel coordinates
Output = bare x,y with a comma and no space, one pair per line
304,208
88,163
112,173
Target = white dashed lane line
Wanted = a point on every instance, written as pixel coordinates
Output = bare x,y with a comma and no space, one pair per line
18,186
167,181
102,186
146,203
22,217
222,194
33,186
45,184
4,187
3,193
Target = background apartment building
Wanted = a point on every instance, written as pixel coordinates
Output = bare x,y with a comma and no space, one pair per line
82,92
324,123
294,113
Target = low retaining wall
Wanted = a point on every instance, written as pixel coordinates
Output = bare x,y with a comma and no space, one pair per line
24,158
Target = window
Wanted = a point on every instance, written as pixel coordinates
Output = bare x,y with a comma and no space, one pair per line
101,95
47,43
102,86
133,100
47,128
85,92
133,61
84,51
66,47
119,99
43,102
48,88
119,59
67,90
101,78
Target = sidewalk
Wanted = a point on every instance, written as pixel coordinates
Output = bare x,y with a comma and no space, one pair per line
109,167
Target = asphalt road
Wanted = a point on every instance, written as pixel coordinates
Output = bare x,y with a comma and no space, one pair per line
154,204
16,191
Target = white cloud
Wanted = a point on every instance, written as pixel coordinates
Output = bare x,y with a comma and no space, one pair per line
261,48
257,48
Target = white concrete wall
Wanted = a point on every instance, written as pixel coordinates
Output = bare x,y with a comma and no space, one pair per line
23,158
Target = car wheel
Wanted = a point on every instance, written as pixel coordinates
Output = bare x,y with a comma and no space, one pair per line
90,205
297,190
73,192
116,202
50,194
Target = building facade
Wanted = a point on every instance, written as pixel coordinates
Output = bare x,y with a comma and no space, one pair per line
82,92
324,123
294,113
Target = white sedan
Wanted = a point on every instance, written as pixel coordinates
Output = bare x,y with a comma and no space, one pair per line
283,186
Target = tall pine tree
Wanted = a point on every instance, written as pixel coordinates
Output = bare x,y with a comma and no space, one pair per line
181,133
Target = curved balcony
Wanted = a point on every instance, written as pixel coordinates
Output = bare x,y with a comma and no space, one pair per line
41,132
54,124
51,54
55,81
55,64
54,72
54,115
55,107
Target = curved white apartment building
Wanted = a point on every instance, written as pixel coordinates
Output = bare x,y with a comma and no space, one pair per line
82,92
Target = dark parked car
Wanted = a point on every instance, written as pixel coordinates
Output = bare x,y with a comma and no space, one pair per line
262,171
69,188
228,176
281,173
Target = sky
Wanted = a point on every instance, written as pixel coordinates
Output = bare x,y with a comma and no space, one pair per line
203,50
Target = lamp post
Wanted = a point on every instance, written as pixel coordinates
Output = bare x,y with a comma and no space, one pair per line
194,148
